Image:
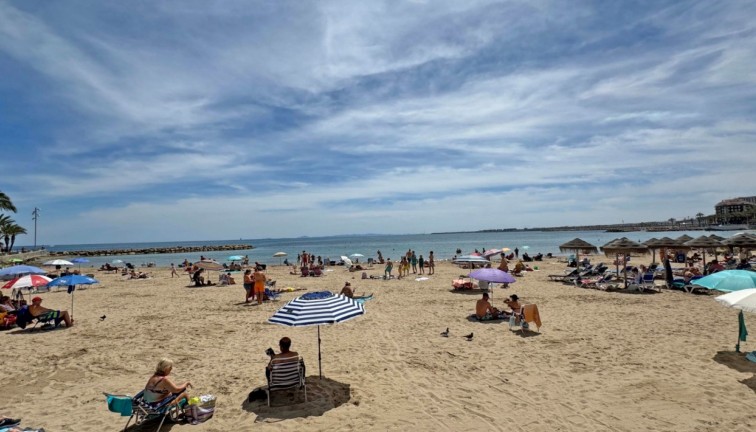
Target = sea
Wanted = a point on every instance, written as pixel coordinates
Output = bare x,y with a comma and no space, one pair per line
444,246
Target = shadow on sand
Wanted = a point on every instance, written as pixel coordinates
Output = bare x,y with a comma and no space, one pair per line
323,395
738,362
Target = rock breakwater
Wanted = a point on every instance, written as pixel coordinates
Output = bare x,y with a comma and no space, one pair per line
150,251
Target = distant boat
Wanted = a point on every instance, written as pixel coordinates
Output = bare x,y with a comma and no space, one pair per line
730,227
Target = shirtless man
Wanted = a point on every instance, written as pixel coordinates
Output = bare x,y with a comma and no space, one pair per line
36,310
483,308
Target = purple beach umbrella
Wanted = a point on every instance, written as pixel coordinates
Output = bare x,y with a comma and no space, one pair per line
492,275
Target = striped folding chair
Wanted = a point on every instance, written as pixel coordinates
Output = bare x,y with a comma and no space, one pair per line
286,373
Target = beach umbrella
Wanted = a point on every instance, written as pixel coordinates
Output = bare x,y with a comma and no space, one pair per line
651,244
728,280
280,255
79,261
491,252
347,261
745,300
623,246
27,281
492,275
716,237
744,240
703,243
236,258
58,262
357,256
471,259
71,281
684,238
209,265
19,270
117,261
577,245
316,309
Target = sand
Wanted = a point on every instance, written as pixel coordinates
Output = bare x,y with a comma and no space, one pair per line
603,361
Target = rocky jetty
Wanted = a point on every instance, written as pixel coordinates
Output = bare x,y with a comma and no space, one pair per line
149,251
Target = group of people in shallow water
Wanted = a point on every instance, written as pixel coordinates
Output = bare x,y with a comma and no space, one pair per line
409,261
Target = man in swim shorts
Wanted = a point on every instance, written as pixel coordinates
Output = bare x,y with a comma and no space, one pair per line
37,311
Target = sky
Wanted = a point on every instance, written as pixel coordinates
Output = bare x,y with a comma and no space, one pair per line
194,120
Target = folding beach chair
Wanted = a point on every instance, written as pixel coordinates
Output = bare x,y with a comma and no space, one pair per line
142,411
527,314
286,373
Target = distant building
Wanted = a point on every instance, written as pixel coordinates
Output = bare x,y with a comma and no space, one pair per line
736,210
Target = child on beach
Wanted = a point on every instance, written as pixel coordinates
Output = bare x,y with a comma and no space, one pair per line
387,270
421,263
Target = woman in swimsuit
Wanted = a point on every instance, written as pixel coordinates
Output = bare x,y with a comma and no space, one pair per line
160,386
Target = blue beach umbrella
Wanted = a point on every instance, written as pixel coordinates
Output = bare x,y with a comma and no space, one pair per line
316,309
235,258
728,280
71,281
21,270
79,261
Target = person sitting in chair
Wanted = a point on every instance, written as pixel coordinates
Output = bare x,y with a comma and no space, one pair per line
37,311
484,310
285,345
514,303
160,386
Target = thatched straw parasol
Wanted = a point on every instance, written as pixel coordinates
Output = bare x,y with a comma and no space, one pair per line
716,237
704,243
577,245
745,241
651,244
684,238
623,246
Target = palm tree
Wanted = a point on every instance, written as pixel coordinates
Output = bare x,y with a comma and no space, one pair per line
6,203
672,221
14,230
5,223
699,216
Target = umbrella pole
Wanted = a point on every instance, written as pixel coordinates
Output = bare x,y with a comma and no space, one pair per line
320,366
72,295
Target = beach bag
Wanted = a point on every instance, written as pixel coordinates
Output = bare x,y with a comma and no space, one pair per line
200,409
195,414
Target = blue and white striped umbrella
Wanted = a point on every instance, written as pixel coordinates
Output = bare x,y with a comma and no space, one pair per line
320,311
317,309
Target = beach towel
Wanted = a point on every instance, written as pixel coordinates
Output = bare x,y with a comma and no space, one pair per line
530,313
422,279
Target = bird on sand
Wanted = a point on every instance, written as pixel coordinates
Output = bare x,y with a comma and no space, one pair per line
102,318
445,333
469,337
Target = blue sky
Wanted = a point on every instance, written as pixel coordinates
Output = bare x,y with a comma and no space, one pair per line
191,120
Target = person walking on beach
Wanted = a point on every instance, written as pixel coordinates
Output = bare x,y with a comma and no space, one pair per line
431,263
259,278
173,271
413,260
517,253
387,270
248,284
380,258
421,262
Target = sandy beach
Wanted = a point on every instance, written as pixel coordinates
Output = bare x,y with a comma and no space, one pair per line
603,361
